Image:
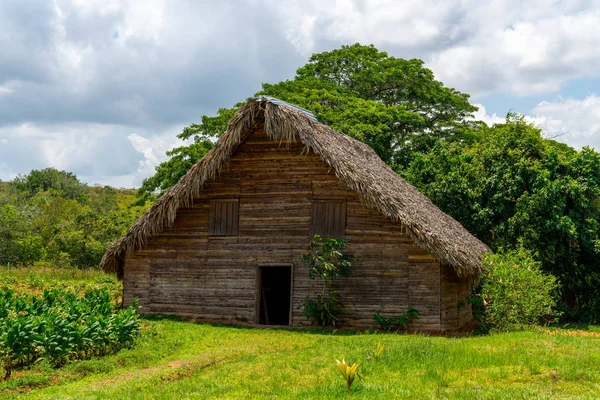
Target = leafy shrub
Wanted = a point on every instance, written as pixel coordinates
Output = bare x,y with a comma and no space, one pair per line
514,292
328,262
61,326
31,249
395,323
324,310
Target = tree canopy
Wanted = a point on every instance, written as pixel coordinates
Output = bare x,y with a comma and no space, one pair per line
514,189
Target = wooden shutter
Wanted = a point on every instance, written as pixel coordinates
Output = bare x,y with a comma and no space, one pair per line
329,218
224,217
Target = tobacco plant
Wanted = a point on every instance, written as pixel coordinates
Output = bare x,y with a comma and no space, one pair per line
61,326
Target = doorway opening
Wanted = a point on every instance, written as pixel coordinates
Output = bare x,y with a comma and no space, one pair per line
275,292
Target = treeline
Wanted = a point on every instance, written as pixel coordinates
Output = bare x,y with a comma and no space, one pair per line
515,190
50,216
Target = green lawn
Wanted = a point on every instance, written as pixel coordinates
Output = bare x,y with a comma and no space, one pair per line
175,359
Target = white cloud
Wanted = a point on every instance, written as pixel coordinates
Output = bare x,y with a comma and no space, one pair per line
572,121
481,115
153,149
5,90
408,23
575,122
513,46
528,57
121,156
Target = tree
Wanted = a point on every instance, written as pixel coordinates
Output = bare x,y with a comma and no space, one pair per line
50,216
62,182
426,110
394,105
12,228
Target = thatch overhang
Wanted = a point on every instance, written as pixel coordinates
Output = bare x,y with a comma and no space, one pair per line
354,162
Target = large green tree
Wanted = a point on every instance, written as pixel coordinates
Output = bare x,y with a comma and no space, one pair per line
394,105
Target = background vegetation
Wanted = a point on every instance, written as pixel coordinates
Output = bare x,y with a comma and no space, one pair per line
49,216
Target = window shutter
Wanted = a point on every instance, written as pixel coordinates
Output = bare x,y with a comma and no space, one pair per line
224,217
329,218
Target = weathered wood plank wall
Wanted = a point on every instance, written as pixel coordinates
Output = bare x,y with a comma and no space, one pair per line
456,313
185,271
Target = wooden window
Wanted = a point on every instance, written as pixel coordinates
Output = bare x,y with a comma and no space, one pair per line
224,217
329,218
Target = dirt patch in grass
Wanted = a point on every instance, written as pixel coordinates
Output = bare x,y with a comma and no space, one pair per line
170,371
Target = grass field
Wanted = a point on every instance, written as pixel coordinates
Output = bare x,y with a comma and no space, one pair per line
176,359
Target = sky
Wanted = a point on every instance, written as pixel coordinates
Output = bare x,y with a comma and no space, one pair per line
101,88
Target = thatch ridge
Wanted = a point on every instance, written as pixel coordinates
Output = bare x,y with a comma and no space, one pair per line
354,162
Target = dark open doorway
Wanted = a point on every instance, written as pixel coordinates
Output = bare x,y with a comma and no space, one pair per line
275,295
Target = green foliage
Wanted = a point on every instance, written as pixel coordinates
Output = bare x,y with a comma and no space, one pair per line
323,310
37,279
515,292
62,182
12,227
349,372
61,326
327,259
328,262
512,189
395,323
50,216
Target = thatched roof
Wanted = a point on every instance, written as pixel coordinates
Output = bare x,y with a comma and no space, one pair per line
353,162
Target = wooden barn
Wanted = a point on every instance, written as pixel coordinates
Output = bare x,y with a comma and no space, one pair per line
225,243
